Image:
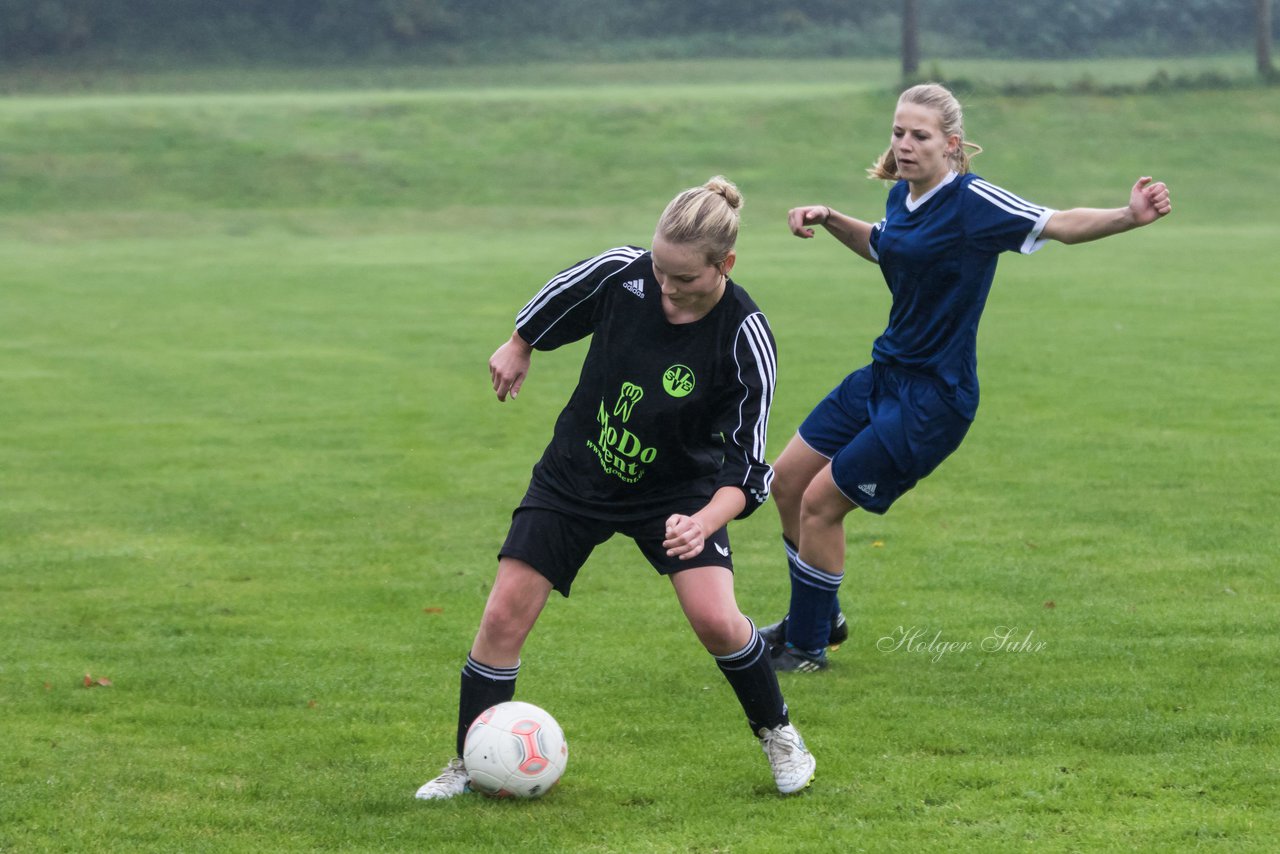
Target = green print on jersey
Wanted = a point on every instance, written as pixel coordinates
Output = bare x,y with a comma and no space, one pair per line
621,452
627,400
678,380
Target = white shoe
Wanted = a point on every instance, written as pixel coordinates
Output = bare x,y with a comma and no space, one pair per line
453,781
791,761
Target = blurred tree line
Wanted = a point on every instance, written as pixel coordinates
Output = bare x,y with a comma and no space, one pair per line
486,30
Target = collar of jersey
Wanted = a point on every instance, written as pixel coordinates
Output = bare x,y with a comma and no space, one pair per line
913,205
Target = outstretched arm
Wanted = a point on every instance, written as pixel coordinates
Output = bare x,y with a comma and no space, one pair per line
853,233
1147,203
509,365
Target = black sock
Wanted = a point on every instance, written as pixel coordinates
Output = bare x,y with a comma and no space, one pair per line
751,675
482,686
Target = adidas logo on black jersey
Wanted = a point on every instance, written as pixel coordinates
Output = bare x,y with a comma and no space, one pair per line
636,286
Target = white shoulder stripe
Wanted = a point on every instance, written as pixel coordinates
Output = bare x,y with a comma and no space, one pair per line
1011,198
563,281
1006,201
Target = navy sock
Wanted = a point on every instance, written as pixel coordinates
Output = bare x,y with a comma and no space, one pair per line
750,674
482,686
813,605
792,554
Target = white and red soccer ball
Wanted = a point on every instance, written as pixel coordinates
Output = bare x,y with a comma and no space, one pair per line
514,750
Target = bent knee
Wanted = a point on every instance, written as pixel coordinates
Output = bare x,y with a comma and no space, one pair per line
824,507
506,625
787,494
791,478
721,632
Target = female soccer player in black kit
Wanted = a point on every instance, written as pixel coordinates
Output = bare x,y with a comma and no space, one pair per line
663,441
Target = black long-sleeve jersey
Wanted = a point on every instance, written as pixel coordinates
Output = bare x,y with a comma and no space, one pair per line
663,414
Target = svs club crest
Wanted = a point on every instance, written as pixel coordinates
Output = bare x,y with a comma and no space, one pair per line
678,380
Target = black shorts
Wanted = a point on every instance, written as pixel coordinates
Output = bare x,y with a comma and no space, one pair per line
557,544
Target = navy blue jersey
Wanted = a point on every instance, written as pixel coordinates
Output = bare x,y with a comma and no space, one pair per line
663,414
938,256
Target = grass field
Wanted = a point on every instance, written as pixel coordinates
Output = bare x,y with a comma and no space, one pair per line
252,477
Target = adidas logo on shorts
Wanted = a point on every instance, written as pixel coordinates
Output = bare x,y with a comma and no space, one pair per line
868,488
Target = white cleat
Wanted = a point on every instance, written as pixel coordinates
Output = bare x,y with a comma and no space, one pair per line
453,781
791,761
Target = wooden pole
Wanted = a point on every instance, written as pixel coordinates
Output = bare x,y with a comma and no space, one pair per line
910,39
1263,22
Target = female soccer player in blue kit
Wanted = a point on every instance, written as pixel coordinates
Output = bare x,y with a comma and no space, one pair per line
662,441
889,424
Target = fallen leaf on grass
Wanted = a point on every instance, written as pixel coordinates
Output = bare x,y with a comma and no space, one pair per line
433,610
96,681
1050,604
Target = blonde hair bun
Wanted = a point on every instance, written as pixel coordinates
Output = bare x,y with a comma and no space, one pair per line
706,217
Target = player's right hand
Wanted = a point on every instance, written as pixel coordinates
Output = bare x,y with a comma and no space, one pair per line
509,365
798,219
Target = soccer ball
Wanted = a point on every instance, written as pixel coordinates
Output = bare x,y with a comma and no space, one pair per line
514,750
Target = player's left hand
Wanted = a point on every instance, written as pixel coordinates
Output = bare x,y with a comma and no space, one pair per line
685,537
1149,201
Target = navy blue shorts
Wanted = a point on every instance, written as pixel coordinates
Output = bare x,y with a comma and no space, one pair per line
883,430
557,544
